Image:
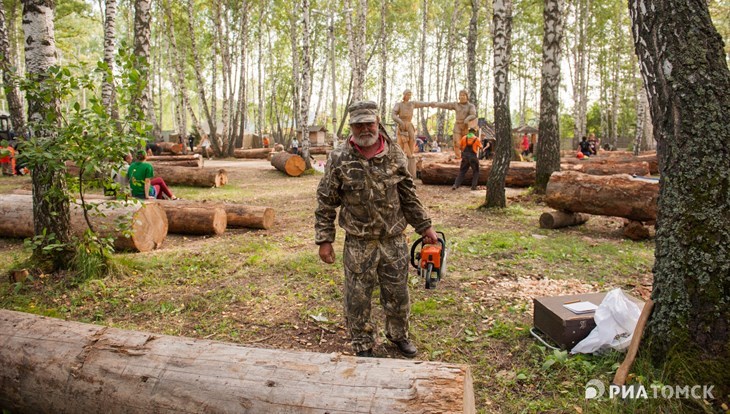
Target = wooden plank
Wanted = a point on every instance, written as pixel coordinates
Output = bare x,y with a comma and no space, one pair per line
51,365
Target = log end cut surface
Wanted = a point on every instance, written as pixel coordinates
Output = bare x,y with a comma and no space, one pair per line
292,165
149,229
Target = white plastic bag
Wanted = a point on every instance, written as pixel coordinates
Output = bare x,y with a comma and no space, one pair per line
616,318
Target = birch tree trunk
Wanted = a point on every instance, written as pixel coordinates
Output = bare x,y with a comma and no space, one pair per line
356,45
686,74
242,82
615,101
12,92
580,78
141,101
449,62
107,86
383,60
306,83
293,33
641,101
471,55
422,65
548,146
502,120
51,214
203,101
260,82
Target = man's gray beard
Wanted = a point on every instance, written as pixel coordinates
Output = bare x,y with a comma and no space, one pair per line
365,142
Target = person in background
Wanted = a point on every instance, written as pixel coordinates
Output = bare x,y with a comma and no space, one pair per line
469,146
367,178
7,158
585,147
266,142
421,144
525,145
142,182
295,146
191,142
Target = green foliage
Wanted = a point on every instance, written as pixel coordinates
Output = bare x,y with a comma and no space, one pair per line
86,136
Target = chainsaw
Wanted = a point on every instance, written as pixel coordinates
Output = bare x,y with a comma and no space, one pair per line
430,261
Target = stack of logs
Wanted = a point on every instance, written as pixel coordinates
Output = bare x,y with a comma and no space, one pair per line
149,222
439,169
572,194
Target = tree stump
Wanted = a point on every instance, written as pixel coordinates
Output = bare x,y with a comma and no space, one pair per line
56,366
290,164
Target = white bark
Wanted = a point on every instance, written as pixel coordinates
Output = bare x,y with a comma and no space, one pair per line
107,86
306,79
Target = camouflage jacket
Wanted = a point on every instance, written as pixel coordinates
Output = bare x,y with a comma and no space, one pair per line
377,196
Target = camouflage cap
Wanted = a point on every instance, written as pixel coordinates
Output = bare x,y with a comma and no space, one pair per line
363,111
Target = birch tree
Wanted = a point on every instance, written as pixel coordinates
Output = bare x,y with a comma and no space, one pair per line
12,93
548,146
685,71
51,217
306,83
199,78
422,64
502,120
142,102
471,54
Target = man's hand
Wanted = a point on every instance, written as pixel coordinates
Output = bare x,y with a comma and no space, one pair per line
429,236
327,253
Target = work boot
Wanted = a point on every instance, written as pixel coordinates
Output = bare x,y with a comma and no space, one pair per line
368,353
406,348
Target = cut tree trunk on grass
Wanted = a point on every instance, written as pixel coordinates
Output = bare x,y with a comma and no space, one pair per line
610,168
520,174
185,163
319,150
237,215
52,365
170,147
253,153
198,177
188,157
608,195
560,219
186,219
290,164
649,158
148,223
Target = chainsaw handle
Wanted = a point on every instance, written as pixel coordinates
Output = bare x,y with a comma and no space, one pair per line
441,241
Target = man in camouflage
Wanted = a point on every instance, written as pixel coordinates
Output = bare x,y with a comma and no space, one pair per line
368,179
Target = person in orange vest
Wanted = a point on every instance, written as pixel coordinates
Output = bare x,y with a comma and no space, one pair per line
469,146
7,159
266,142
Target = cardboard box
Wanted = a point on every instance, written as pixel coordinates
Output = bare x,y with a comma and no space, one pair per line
561,325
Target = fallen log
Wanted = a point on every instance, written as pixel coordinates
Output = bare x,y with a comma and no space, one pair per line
252,153
610,168
170,147
148,223
560,219
290,164
188,164
52,365
519,174
609,195
319,150
237,215
199,177
188,157
186,219
649,158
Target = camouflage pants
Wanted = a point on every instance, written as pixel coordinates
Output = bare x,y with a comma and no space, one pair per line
367,263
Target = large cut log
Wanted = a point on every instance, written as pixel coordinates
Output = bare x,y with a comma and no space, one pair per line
253,153
170,147
608,195
147,223
56,366
520,174
319,150
192,160
191,219
237,215
560,219
610,168
198,177
290,164
649,158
